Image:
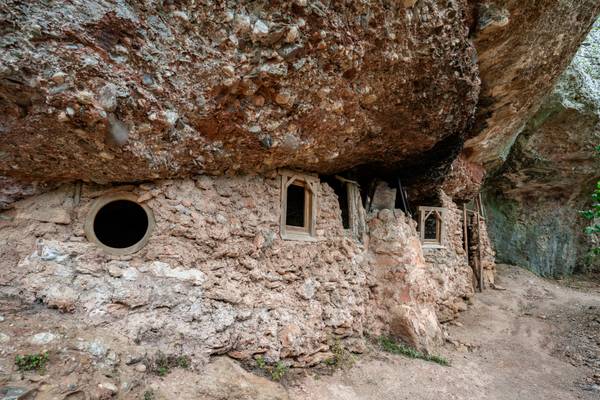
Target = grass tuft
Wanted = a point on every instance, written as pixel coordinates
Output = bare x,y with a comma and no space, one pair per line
391,346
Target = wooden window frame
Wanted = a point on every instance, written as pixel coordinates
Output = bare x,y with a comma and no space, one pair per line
311,190
424,213
352,193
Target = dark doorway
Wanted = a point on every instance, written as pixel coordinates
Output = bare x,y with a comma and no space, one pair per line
341,190
120,224
295,208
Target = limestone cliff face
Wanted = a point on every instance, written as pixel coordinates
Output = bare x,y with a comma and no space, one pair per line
550,174
126,91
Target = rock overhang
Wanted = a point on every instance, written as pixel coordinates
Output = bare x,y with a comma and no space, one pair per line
119,93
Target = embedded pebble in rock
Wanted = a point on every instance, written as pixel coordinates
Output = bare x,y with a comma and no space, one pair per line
42,338
108,97
292,34
108,386
4,338
140,368
58,77
85,97
118,133
283,98
260,29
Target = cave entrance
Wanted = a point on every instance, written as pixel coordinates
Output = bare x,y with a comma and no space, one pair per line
119,224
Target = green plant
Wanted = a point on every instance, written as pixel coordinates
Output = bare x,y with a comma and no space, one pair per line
261,363
32,362
593,214
341,358
162,364
391,346
183,362
276,372
149,394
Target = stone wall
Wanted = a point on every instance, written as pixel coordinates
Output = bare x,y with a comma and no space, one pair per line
216,278
448,265
404,296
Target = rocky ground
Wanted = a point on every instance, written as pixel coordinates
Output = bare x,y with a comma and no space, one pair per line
536,339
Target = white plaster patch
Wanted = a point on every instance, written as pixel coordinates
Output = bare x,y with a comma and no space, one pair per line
164,270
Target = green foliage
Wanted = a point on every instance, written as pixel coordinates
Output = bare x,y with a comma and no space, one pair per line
261,363
276,372
183,362
341,358
149,395
162,364
32,362
593,214
391,346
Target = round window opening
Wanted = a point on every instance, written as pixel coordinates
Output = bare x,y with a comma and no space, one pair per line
119,224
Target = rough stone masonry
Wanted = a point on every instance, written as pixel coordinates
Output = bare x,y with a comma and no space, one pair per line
216,278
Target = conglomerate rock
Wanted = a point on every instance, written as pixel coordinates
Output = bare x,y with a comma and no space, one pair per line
126,91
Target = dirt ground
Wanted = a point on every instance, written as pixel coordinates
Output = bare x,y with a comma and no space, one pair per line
538,339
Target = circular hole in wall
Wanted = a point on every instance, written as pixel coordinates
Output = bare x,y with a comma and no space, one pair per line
119,224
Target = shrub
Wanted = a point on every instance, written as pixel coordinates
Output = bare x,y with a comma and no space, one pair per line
32,362
593,214
341,358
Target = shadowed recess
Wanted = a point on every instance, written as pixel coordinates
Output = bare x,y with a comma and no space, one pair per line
121,224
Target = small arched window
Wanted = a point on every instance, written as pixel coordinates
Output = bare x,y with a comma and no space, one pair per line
298,205
431,226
